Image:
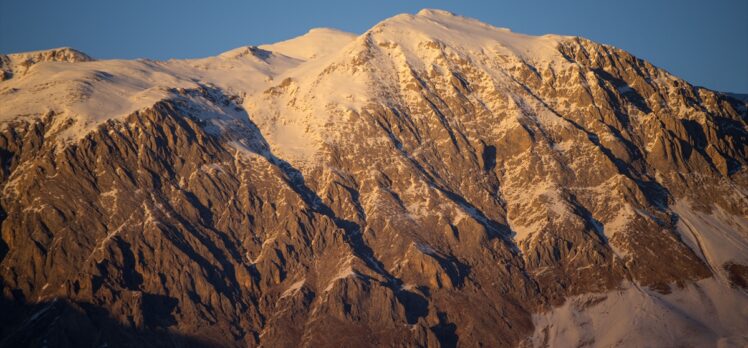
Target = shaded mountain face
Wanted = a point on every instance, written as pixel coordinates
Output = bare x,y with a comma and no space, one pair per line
433,182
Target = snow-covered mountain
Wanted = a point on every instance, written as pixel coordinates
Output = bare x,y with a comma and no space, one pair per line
435,181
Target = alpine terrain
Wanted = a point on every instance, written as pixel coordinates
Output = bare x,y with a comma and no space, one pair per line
435,181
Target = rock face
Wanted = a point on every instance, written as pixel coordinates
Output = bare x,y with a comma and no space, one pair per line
433,182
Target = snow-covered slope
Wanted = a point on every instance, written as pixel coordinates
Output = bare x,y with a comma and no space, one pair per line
18,63
720,238
702,314
96,91
89,93
316,43
712,312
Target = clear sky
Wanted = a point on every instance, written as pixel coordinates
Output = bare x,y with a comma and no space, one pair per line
705,42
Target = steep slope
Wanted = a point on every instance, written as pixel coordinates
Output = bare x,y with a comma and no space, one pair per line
408,186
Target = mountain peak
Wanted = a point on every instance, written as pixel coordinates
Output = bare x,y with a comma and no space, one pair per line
465,34
19,63
431,12
329,31
315,43
60,54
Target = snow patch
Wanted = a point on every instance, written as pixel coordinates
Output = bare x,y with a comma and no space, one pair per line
717,237
344,272
546,205
703,314
295,287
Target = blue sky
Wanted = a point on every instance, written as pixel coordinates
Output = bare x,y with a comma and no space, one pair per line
705,42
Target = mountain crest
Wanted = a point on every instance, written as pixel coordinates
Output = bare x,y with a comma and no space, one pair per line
19,63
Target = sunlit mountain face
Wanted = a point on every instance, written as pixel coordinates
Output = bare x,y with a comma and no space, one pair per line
435,181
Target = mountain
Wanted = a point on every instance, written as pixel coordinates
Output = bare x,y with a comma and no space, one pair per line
435,181
18,64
